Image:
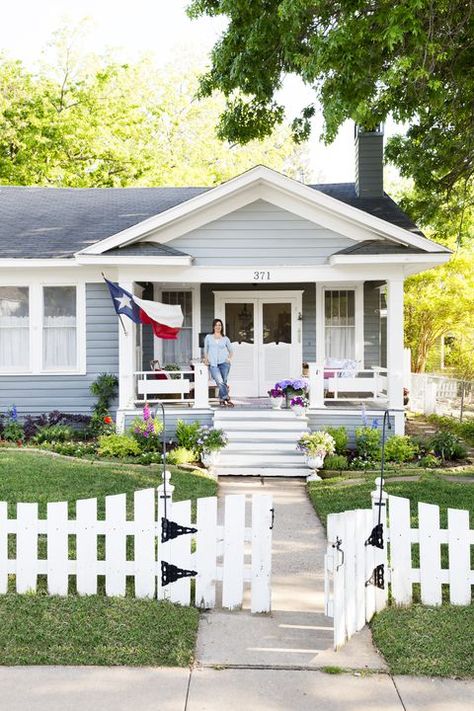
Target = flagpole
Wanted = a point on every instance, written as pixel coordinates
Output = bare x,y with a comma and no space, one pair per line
119,315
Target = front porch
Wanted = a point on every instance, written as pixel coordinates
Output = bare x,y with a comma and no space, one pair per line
345,338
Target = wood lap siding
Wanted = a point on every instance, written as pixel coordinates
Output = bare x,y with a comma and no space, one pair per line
371,324
260,233
34,394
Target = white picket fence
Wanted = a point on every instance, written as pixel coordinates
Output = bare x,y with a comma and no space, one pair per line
349,564
224,556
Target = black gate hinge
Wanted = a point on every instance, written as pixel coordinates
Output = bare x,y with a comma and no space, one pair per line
377,578
170,573
376,537
171,529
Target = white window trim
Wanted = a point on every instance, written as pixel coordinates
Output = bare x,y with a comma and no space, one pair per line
195,289
36,331
358,289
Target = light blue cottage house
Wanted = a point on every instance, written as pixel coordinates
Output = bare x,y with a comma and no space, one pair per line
299,274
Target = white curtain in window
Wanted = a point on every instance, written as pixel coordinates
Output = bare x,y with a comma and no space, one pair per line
340,343
14,328
59,328
339,311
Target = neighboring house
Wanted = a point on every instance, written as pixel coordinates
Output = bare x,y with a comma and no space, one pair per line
298,273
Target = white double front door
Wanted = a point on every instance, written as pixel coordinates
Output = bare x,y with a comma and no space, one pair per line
265,331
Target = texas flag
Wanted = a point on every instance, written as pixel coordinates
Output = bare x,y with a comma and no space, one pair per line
165,320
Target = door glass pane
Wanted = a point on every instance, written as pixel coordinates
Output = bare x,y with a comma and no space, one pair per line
239,322
14,327
276,323
59,327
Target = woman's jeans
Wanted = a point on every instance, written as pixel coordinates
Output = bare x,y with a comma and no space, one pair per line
219,374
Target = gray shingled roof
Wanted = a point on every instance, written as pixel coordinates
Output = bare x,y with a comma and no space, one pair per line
57,222
373,246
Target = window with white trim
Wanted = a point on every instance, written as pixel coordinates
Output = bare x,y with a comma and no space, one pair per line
59,328
179,351
14,328
340,324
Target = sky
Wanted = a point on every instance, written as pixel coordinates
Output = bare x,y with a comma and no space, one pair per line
162,28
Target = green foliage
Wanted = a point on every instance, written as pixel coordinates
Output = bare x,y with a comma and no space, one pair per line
116,445
340,437
211,439
146,431
448,446
318,443
187,434
400,448
104,388
13,431
181,455
429,461
55,433
463,429
71,449
364,61
437,302
336,462
89,121
368,443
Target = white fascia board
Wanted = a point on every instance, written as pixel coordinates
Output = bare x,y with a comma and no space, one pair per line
37,263
103,259
430,259
261,176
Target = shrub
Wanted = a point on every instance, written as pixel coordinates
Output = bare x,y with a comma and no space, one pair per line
115,445
340,437
70,449
462,429
429,461
315,443
211,440
187,434
12,430
146,431
448,446
55,433
104,388
361,463
400,448
368,443
150,458
181,455
336,462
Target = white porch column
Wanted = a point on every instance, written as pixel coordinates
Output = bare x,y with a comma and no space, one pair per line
395,352
316,385
127,363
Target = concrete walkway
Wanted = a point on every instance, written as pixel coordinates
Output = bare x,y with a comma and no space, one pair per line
148,689
297,634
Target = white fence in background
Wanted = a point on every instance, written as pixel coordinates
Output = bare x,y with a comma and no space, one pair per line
215,552
350,564
437,394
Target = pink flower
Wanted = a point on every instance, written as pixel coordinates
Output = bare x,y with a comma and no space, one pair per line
146,412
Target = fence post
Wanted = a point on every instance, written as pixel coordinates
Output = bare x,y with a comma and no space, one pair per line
316,385
201,387
164,549
379,514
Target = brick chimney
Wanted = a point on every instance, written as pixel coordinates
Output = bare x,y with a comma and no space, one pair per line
368,162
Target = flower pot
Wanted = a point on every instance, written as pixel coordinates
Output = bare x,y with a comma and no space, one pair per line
276,402
209,459
315,461
299,410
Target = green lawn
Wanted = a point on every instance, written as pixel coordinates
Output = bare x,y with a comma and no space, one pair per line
37,629
414,640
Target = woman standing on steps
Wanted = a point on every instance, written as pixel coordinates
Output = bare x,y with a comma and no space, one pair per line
217,355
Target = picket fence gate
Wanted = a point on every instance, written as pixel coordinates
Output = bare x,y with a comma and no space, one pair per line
216,553
355,570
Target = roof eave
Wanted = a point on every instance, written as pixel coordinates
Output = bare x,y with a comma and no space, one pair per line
430,258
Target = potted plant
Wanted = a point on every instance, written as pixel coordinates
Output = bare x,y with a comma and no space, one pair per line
276,397
315,445
293,388
298,404
210,443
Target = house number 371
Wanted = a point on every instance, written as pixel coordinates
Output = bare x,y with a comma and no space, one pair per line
261,276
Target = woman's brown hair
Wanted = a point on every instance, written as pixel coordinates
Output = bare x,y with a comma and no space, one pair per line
218,320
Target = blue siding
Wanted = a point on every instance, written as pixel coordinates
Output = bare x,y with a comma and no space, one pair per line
371,324
34,394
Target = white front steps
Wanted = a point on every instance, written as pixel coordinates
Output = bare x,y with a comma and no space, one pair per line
261,443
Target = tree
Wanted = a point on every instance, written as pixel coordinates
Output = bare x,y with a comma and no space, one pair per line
438,302
364,60
85,121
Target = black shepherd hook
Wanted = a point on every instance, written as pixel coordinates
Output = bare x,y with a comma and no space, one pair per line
164,457
376,536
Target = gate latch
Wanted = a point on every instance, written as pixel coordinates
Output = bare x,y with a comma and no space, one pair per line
377,578
337,546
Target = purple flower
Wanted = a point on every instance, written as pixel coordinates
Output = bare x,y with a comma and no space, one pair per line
14,413
375,424
364,417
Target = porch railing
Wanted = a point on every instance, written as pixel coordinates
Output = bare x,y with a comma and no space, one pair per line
189,387
336,384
